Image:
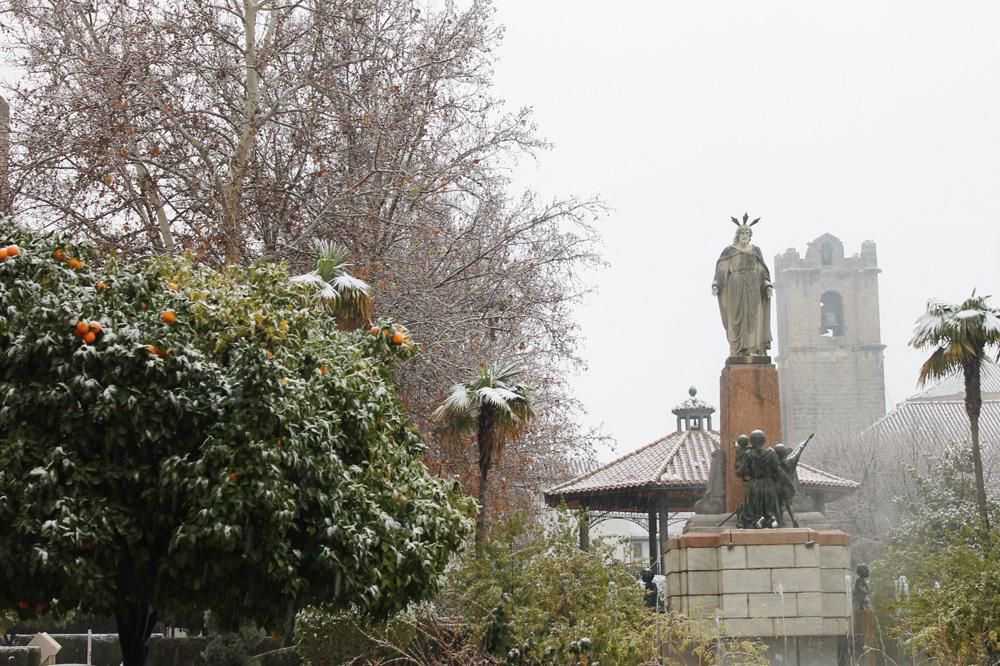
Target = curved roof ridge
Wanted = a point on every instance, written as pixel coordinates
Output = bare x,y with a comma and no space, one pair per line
671,455
601,468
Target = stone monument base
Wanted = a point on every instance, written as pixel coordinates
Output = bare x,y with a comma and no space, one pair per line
713,522
771,584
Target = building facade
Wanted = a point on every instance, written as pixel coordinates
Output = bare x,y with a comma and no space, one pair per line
830,351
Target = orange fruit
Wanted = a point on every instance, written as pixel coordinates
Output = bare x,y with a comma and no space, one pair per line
59,254
76,263
95,327
13,250
153,349
3,253
172,286
397,338
90,338
143,306
101,286
373,330
234,477
81,329
322,370
169,317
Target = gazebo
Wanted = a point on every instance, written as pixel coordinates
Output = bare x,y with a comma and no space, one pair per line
667,476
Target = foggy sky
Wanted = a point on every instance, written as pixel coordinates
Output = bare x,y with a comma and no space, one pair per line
867,120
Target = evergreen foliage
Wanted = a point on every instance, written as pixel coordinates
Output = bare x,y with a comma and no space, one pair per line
940,582
216,444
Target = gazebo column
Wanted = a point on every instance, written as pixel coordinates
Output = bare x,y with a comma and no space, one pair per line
653,542
583,521
661,509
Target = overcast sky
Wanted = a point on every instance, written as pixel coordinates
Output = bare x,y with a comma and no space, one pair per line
867,120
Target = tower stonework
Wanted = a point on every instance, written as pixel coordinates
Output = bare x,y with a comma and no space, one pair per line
830,359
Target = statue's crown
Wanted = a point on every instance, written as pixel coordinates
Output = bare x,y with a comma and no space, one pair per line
744,223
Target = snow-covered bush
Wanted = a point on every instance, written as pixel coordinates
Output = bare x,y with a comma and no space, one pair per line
174,437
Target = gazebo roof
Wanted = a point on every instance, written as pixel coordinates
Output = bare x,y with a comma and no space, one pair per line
676,466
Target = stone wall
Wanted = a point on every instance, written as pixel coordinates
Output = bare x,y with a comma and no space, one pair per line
833,385
763,583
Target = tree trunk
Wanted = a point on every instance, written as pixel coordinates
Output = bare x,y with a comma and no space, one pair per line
481,518
973,406
135,624
486,439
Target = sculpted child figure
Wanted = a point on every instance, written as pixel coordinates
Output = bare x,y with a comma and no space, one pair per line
765,480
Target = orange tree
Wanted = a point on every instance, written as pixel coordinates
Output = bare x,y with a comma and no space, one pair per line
175,438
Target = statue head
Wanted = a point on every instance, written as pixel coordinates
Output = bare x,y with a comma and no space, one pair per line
782,451
863,571
743,441
743,231
743,235
757,439
647,575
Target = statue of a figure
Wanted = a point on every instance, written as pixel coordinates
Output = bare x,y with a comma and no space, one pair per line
651,595
743,284
765,480
862,590
789,461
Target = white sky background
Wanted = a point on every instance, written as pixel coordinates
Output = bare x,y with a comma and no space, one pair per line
868,120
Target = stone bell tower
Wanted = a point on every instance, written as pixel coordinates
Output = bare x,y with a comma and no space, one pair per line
830,360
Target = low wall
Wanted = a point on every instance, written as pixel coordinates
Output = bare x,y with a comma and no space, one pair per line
163,651
763,583
21,655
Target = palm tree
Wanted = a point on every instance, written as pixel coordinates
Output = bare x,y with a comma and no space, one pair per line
345,296
960,335
497,407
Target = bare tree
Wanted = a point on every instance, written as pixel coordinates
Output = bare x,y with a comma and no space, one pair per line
248,129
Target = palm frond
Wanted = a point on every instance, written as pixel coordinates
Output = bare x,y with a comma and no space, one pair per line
457,412
498,396
347,282
937,366
348,298
929,330
493,395
332,259
991,322
312,278
458,400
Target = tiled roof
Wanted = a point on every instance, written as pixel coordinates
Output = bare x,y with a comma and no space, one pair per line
953,386
681,459
813,477
936,423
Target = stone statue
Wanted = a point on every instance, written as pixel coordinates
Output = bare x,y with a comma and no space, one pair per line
743,285
765,480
